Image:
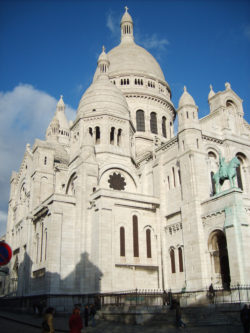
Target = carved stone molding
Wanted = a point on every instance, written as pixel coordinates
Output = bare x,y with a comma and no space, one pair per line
174,228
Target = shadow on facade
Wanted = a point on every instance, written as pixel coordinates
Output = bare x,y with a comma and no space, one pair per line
29,288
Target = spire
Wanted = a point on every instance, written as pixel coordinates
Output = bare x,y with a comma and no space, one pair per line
126,27
60,105
211,92
186,98
103,63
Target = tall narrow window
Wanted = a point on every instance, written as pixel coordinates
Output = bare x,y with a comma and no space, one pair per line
135,236
173,176
179,174
238,174
148,242
140,121
37,247
153,123
119,137
180,259
97,135
122,242
164,132
172,259
213,189
45,160
112,135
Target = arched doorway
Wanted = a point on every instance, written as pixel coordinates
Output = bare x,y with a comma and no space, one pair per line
219,255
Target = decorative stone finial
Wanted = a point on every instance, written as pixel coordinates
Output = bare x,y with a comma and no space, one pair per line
228,85
103,48
211,87
185,88
126,8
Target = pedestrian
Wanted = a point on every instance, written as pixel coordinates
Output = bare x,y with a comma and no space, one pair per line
47,324
179,322
75,321
86,316
245,318
164,298
92,313
211,292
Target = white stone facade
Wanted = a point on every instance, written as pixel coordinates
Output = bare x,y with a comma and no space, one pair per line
116,201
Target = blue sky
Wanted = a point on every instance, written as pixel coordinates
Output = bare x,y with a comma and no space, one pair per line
49,48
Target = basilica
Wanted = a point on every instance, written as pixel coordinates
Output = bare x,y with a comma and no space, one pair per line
116,201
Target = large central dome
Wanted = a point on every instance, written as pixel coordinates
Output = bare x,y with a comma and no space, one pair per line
129,58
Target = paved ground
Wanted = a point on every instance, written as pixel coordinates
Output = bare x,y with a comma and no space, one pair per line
18,322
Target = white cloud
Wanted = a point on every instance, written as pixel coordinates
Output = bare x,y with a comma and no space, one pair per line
25,114
113,23
154,42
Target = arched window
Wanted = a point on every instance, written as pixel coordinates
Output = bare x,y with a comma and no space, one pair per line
135,236
112,135
127,81
148,243
172,259
119,136
180,259
153,123
164,132
45,160
97,135
122,242
140,121
239,171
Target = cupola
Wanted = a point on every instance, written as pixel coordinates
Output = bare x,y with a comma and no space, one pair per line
186,99
126,27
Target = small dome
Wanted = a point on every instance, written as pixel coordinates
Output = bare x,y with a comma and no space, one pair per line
102,95
211,92
126,17
186,99
103,56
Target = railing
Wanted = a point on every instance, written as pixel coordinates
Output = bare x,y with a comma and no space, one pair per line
237,294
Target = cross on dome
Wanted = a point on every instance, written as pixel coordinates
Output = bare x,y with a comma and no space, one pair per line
103,48
126,8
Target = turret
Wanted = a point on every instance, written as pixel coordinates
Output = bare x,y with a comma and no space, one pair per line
187,112
126,27
58,129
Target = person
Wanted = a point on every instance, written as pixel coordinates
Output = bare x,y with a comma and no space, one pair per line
179,322
48,318
75,321
211,292
86,316
245,318
164,297
92,313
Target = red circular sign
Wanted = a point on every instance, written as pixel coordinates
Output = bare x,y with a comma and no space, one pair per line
5,253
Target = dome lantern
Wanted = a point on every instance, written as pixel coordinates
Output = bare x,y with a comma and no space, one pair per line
126,27
103,62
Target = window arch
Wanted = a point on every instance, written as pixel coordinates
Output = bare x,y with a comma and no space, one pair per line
135,236
163,124
180,255
148,243
239,170
172,259
112,135
140,120
153,123
97,135
122,242
119,136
